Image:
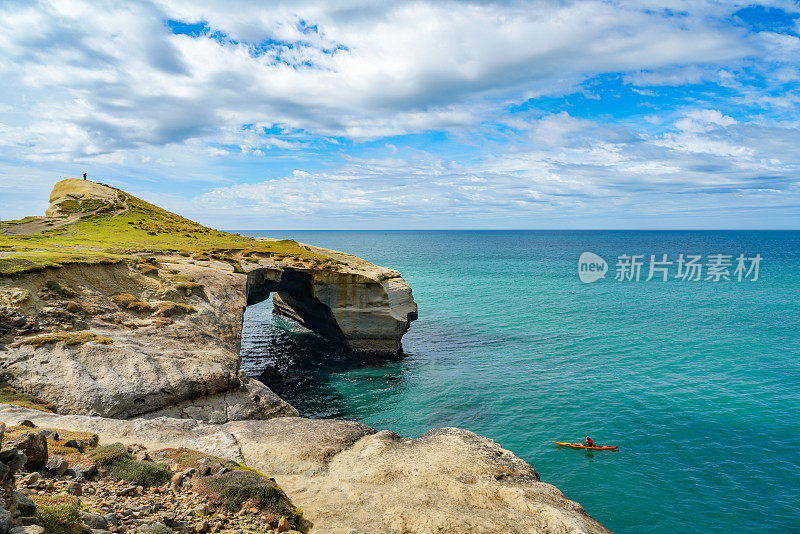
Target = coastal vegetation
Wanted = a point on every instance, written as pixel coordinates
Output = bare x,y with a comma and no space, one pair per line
121,227
60,481
59,514
68,338
124,466
10,395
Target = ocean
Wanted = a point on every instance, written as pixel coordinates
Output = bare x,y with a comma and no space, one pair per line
697,381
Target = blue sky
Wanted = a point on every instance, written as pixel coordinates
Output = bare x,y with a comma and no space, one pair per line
351,115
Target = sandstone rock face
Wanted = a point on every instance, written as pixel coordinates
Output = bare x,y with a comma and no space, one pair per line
184,363
251,400
77,190
365,306
188,363
161,336
348,478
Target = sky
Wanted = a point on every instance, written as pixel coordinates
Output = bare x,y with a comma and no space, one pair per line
409,115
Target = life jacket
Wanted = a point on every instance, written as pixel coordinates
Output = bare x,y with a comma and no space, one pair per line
590,443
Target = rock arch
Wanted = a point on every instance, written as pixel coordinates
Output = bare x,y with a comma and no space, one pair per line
364,307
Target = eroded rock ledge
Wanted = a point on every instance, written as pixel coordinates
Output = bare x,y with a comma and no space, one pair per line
143,346
348,478
168,332
156,331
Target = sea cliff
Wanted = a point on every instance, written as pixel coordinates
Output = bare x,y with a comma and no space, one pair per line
125,320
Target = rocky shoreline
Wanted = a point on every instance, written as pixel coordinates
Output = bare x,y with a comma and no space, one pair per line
140,347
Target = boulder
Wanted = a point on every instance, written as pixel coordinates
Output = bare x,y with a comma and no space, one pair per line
8,452
24,505
5,520
16,463
28,529
34,445
56,465
94,521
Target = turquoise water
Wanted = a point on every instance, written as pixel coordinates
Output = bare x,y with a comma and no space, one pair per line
698,382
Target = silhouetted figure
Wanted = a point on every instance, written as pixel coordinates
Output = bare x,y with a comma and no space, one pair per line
84,176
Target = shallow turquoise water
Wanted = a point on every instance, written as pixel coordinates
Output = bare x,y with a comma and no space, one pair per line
698,382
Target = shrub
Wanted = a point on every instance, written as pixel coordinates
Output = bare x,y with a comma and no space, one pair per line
122,464
233,489
142,473
157,528
59,514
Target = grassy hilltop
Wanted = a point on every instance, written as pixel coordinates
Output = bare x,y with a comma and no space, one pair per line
94,223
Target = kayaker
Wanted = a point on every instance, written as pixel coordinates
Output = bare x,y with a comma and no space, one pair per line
589,442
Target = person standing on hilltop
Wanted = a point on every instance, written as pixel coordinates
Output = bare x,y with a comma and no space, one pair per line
84,176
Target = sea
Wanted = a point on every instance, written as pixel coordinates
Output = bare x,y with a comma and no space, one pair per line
693,373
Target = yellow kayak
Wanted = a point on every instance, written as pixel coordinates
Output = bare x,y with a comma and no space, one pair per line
582,446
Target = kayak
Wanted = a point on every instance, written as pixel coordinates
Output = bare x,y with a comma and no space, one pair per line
582,446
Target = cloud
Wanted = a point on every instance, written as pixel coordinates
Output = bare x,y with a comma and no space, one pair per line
113,77
592,167
384,109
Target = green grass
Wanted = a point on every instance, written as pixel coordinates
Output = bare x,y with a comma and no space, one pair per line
29,218
117,234
59,514
121,464
10,395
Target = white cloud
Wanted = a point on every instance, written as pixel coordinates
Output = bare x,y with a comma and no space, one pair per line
593,168
113,78
107,84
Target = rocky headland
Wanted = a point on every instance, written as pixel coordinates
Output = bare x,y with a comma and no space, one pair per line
123,321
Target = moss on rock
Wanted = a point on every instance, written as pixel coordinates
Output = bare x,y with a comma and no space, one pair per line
9,395
126,301
68,338
171,309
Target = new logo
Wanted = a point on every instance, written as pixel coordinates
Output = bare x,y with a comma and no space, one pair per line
591,267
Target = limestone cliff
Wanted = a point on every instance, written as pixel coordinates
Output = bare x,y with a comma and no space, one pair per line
128,319
167,322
